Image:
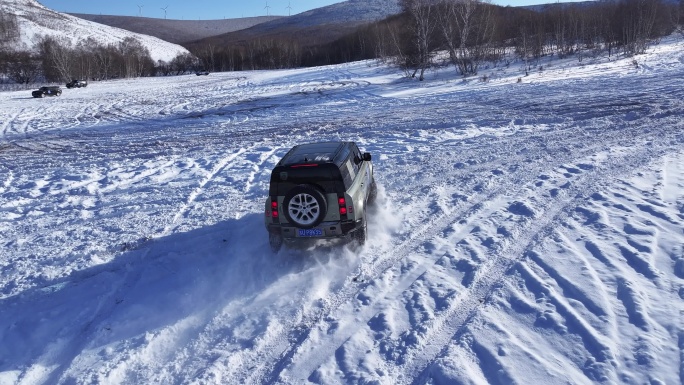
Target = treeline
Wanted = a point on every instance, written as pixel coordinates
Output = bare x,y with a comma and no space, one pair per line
55,60
460,33
468,32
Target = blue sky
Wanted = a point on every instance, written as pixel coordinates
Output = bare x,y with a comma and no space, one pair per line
205,9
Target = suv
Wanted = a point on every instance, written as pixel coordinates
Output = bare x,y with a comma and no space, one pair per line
48,90
202,72
320,191
77,83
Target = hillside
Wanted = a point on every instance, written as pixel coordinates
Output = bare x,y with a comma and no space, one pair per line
36,20
317,26
176,31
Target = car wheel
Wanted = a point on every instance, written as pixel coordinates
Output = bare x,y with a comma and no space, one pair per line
59,93
275,240
373,194
361,234
42,95
305,206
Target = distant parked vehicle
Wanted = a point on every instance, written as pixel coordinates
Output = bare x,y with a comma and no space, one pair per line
47,91
202,72
77,83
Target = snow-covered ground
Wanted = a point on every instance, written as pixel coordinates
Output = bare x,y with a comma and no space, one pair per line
526,233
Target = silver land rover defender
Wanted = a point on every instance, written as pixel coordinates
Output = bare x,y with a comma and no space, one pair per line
319,191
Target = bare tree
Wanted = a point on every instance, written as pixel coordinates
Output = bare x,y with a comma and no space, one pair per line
21,67
421,29
136,58
637,23
467,27
183,63
56,56
105,57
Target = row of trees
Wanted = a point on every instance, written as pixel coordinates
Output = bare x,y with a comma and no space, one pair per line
460,33
468,32
58,60
266,53
473,31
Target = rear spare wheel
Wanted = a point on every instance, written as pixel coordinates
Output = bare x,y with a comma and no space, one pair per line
305,206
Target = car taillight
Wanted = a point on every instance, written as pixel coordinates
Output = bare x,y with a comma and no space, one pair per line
274,209
343,205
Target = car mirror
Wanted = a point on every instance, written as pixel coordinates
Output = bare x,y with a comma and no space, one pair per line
367,156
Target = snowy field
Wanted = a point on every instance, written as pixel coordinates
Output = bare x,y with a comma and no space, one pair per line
526,233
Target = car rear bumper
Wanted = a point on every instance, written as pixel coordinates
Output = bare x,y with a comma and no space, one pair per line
336,229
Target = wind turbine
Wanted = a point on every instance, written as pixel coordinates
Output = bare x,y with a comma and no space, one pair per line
164,9
289,9
267,7
140,7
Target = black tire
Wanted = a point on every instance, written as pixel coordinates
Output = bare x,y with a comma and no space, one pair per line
59,93
360,235
42,95
305,206
275,240
372,196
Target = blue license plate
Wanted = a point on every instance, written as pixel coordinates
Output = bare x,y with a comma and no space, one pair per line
310,232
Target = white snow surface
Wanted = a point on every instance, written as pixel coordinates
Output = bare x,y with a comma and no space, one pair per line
36,20
526,232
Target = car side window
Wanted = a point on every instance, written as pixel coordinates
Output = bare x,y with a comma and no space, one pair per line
356,155
346,176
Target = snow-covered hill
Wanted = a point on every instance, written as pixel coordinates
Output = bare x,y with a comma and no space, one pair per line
35,20
177,31
526,232
351,11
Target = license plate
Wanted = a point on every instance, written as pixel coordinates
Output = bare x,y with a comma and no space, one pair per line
310,232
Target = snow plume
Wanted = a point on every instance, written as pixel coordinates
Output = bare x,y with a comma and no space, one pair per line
386,218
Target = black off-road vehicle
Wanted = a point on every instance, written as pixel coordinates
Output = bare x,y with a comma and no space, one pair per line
319,191
77,84
47,91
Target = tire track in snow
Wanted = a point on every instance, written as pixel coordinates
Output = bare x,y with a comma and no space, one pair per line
494,271
8,182
8,123
373,270
183,209
493,268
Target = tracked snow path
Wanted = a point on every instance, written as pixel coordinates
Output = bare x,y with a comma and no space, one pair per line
526,233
